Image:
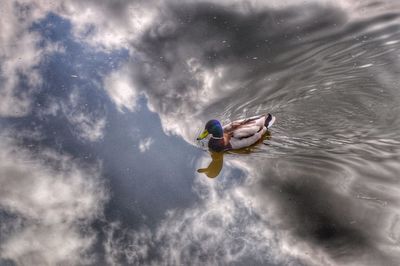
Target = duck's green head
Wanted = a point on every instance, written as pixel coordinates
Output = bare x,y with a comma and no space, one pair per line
214,128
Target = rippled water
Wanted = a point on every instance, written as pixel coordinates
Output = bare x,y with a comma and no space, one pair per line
329,172
100,150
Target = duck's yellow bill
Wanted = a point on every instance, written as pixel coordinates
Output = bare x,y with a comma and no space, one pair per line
203,135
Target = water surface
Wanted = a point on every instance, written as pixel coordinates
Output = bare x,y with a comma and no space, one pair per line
98,132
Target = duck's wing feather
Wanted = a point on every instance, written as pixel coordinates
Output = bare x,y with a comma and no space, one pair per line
251,122
238,143
247,131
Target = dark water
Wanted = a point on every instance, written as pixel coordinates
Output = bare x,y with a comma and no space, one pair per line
321,189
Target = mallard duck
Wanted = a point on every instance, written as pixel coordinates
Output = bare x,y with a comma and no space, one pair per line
237,134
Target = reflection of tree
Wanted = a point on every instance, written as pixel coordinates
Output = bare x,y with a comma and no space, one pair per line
217,158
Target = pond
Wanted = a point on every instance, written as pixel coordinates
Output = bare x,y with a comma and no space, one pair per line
101,103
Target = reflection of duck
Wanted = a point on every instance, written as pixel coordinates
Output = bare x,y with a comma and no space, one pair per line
215,167
238,134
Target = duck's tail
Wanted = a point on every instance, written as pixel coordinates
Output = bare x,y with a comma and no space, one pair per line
269,121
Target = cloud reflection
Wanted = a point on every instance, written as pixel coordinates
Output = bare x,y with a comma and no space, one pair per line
197,60
51,201
194,61
20,53
85,124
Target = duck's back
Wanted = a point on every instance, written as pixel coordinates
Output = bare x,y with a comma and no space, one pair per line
238,143
248,131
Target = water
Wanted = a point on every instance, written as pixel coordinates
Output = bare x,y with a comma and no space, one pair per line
328,176
325,185
322,188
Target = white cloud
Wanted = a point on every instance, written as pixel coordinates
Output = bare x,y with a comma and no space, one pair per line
111,25
144,144
86,124
120,89
20,54
51,109
122,244
53,200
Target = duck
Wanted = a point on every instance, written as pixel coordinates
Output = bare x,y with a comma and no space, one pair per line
237,134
